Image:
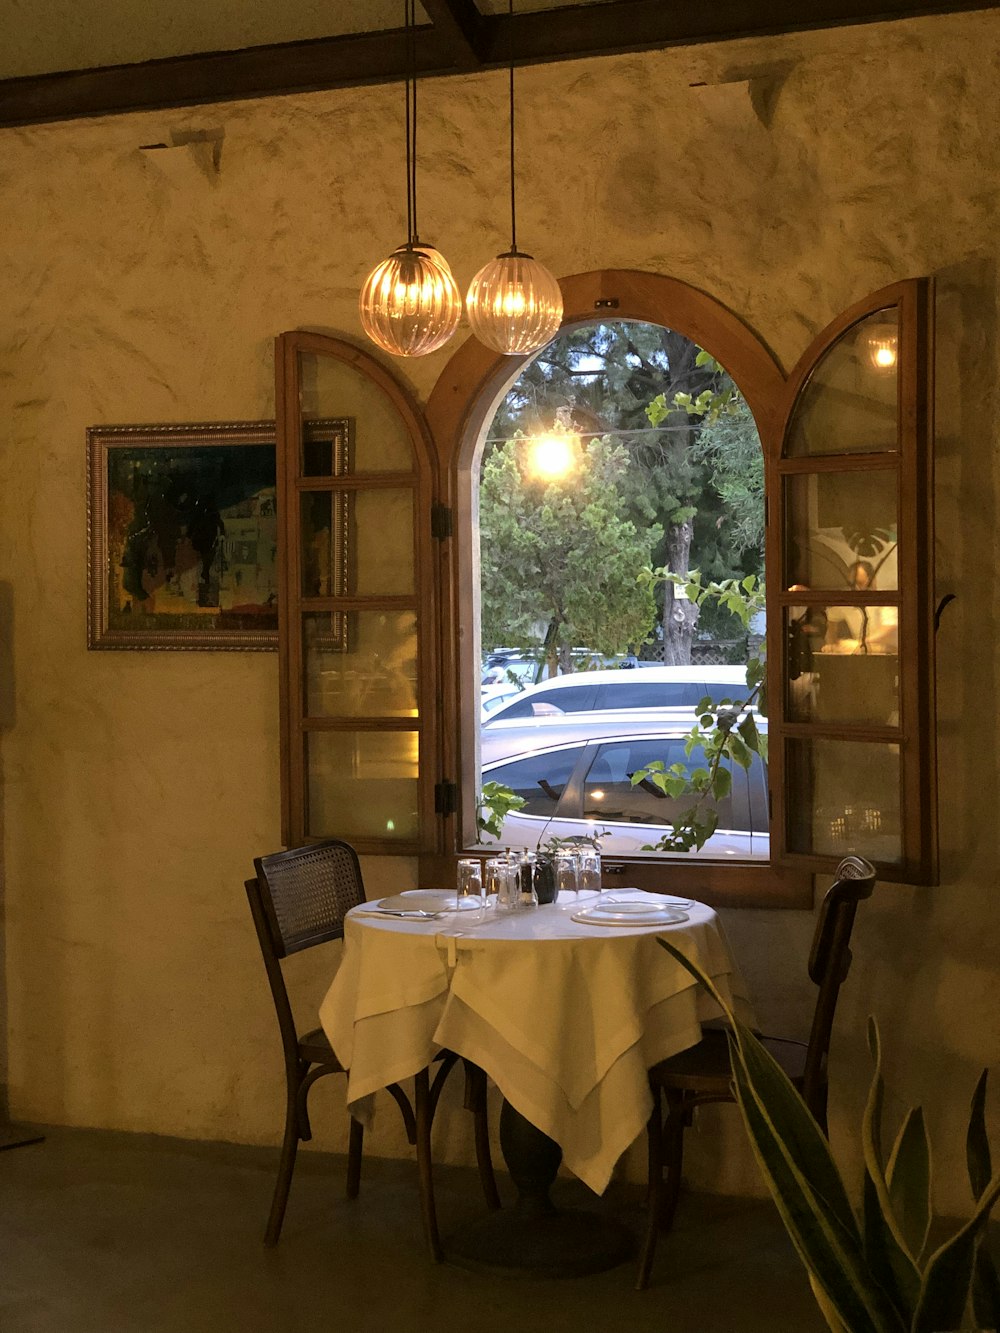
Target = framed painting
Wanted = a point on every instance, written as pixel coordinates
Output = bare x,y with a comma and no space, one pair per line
182,530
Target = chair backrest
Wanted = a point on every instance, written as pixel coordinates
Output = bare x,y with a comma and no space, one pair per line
307,892
300,898
829,964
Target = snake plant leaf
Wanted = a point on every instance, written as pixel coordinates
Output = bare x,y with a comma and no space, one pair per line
944,1291
977,1144
884,1242
901,1283
908,1177
806,1141
830,1251
985,1289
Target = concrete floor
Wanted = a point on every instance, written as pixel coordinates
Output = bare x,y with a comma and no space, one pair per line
116,1233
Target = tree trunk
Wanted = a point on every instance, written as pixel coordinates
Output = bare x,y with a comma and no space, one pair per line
680,617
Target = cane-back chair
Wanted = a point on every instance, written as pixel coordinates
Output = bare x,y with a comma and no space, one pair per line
703,1073
299,899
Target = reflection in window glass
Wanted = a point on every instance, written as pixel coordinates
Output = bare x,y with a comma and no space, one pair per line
608,793
332,388
847,799
843,664
362,784
848,405
540,779
360,663
842,531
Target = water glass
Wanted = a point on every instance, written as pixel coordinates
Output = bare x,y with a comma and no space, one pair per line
590,870
501,881
469,882
567,866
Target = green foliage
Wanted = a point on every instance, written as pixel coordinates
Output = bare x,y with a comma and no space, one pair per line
873,1272
726,733
563,554
495,803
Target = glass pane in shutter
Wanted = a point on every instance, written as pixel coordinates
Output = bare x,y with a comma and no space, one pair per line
360,663
380,441
849,405
843,664
357,543
362,784
841,531
846,799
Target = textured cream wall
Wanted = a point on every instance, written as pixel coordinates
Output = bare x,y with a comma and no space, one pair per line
146,287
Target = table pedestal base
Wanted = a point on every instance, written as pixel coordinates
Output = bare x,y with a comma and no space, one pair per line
535,1238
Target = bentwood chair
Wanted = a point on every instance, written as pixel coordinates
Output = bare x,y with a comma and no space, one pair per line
702,1074
299,900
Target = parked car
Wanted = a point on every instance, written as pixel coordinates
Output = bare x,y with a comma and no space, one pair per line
492,697
677,689
575,778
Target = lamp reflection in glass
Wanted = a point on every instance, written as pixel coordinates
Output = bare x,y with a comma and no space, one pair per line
410,303
882,342
552,455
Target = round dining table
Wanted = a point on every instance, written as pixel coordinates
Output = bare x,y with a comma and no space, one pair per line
565,1006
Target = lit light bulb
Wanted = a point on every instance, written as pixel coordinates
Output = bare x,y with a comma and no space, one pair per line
882,340
410,304
552,456
884,356
514,304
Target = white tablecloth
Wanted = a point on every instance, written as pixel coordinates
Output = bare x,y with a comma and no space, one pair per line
566,1018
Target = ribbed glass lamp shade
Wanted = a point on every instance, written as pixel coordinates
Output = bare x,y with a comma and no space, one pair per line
514,304
410,304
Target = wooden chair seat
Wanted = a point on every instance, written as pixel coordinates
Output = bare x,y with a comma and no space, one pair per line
705,1068
315,1047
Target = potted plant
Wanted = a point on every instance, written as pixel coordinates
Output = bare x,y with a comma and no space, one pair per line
874,1271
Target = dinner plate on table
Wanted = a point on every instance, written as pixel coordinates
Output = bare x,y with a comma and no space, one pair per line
427,900
615,896
629,914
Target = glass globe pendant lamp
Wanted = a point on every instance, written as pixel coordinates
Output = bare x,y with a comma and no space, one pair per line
514,303
410,303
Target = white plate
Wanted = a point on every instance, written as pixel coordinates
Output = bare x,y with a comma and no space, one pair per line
629,914
615,897
426,900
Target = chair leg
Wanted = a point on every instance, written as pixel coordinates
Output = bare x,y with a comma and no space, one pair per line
286,1165
422,1103
354,1158
654,1190
678,1116
476,1102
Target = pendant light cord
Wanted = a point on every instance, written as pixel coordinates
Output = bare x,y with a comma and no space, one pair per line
510,51
410,84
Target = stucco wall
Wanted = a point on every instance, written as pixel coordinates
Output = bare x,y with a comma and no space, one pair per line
145,286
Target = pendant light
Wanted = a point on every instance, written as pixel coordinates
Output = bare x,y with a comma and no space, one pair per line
410,303
514,303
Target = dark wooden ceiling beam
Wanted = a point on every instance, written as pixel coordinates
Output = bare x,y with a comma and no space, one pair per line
460,24
459,40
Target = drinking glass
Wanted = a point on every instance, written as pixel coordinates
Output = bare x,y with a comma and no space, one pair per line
527,895
567,861
469,882
501,880
590,870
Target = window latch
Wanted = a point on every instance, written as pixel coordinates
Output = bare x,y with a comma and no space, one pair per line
442,521
445,798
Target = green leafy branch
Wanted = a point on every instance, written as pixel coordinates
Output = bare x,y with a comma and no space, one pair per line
709,405
726,732
494,804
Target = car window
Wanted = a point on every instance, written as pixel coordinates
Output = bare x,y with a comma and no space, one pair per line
572,699
608,793
650,694
540,778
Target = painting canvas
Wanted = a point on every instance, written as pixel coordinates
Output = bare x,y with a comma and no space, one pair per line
183,532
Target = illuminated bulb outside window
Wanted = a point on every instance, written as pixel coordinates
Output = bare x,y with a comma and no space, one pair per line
552,456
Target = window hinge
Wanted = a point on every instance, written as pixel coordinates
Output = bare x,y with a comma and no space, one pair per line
445,798
770,806
441,521
766,511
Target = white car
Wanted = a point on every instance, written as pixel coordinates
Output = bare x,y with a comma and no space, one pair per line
657,692
575,778
492,697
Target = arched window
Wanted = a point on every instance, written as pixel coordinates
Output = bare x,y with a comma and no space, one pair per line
846,440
